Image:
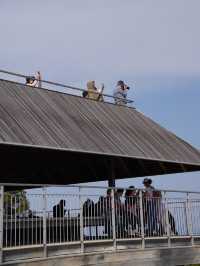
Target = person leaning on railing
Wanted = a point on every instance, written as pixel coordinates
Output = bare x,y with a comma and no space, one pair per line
34,81
105,207
59,209
120,93
120,213
150,211
132,211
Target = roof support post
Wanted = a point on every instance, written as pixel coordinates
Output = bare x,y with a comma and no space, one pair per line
111,180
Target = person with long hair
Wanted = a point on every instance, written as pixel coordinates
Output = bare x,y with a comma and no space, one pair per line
93,92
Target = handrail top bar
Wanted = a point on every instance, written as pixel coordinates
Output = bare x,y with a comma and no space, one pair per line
59,84
90,187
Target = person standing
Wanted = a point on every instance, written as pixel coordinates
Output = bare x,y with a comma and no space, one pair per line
132,210
150,207
120,93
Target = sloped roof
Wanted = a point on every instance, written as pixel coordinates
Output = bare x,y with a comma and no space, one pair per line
55,135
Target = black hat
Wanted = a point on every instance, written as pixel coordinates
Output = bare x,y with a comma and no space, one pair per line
147,181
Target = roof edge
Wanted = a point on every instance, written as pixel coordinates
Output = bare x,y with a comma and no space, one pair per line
96,153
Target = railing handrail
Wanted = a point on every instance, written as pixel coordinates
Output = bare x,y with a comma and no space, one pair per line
62,85
92,187
48,221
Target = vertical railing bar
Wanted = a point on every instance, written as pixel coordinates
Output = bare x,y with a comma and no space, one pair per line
15,200
11,221
67,224
28,229
63,223
81,221
99,218
113,219
60,220
6,218
1,222
124,220
19,223
186,217
142,219
48,224
24,227
44,222
32,230
72,219
189,219
109,212
36,225
78,220
167,219
56,231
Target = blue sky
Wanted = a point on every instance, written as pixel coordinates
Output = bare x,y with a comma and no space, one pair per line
152,44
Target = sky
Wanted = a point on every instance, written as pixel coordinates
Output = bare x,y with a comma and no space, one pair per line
151,44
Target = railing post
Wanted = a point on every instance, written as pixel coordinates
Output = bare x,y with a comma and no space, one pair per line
44,222
81,222
189,219
142,219
167,219
113,218
1,222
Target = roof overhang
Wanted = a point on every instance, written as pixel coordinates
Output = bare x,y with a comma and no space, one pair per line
54,138
33,165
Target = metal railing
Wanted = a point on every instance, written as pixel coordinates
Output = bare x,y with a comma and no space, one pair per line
68,89
84,215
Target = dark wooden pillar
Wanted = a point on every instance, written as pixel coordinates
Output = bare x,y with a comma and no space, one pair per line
111,182
111,179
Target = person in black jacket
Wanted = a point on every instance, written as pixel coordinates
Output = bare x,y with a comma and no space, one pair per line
59,209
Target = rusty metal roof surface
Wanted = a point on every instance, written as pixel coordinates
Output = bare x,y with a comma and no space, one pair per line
39,118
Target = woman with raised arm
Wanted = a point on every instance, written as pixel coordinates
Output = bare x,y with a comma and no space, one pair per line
93,92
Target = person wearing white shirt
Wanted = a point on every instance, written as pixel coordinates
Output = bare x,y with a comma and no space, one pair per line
120,93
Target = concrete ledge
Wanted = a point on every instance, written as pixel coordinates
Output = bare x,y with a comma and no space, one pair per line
150,257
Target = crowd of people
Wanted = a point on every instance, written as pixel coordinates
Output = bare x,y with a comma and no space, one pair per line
91,92
128,211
